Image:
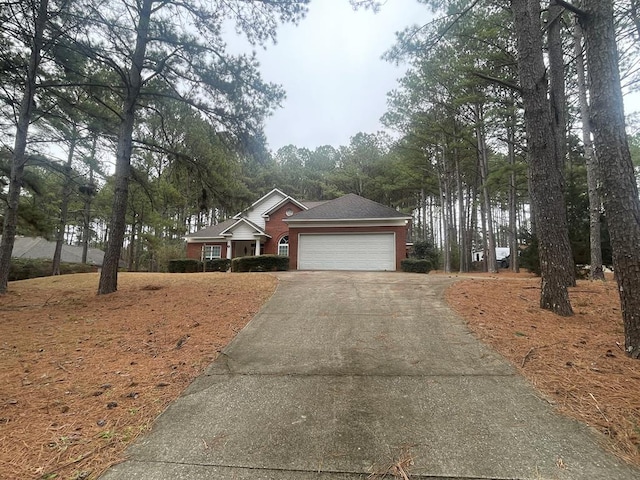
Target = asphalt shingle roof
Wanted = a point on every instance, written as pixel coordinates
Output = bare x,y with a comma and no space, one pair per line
348,207
214,230
312,204
38,247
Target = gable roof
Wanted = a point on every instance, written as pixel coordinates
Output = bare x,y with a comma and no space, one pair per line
253,216
287,199
227,231
214,231
273,206
224,229
348,207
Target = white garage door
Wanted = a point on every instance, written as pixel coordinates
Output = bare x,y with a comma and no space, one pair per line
349,251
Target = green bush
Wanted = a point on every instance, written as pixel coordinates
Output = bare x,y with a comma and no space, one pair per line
261,263
424,250
217,265
25,268
529,258
415,265
185,265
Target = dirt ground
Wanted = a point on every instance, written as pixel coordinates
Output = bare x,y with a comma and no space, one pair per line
83,375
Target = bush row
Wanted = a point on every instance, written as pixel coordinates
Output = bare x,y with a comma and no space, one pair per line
416,265
268,263
25,268
262,263
191,265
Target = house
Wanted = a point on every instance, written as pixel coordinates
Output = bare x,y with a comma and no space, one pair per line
348,233
38,247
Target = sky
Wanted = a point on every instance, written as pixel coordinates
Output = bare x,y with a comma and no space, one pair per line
330,65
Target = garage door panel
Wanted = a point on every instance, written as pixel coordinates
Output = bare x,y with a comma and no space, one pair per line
346,251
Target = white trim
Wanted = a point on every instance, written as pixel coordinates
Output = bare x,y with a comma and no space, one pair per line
257,229
348,222
206,239
280,204
257,202
283,245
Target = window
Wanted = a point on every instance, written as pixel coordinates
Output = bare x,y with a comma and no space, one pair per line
283,246
209,252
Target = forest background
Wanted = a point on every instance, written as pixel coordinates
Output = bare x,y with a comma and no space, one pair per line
489,136
189,172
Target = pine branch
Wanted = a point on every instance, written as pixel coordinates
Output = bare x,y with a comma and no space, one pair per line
504,83
572,8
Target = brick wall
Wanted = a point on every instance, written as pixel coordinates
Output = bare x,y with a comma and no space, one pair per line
194,249
276,228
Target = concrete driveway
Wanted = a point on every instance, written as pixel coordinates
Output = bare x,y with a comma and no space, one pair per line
343,374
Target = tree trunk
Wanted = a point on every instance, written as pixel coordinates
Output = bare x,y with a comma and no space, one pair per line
132,245
422,215
558,106
86,232
490,253
595,243
615,168
473,216
139,245
483,228
64,206
109,275
18,159
557,95
471,221
464,250
444,212
545,180
514,260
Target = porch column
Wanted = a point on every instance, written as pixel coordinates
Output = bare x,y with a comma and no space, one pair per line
229,249
257,247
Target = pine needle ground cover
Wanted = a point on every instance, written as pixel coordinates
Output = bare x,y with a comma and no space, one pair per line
82,375
578,363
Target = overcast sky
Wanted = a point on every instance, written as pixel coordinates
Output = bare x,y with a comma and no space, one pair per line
331,69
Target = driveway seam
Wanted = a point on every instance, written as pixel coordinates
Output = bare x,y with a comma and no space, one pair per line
317,472
366,375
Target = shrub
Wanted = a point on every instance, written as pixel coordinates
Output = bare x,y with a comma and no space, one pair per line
529,258
415,265
262,263
185,265
25,268
217,265
165,252
425,250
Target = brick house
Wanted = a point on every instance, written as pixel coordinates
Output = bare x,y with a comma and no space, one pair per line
348,233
